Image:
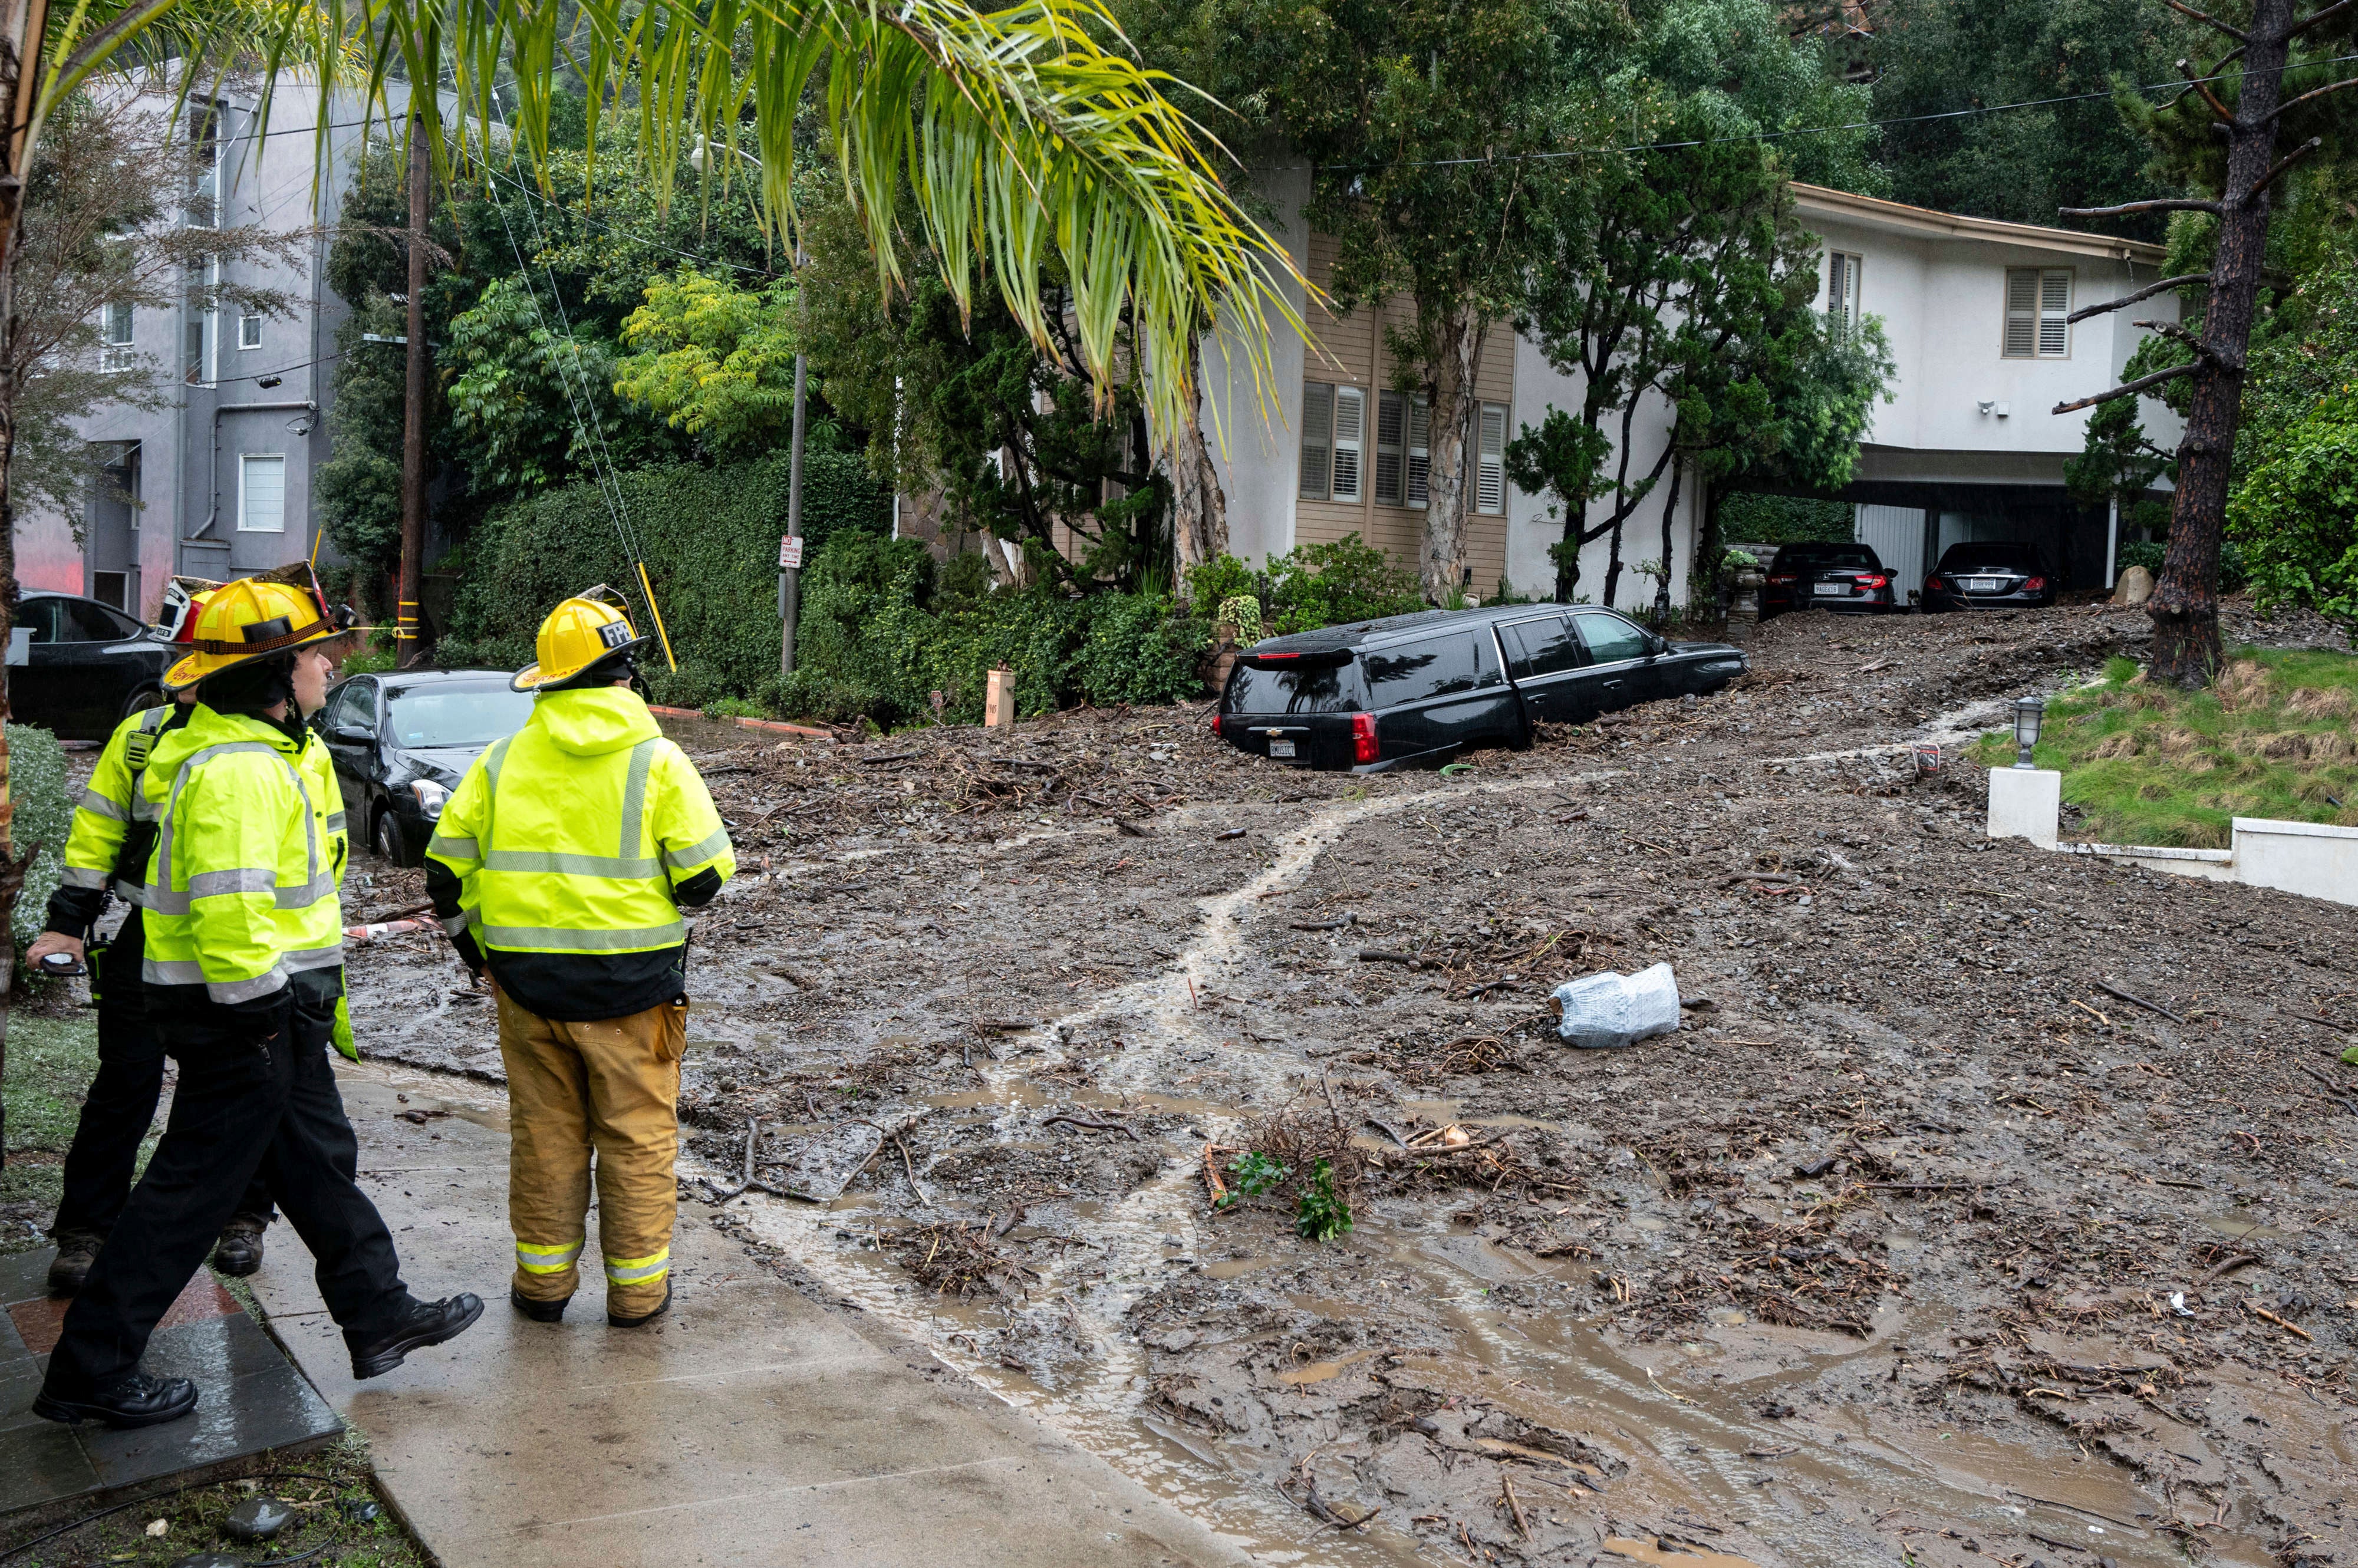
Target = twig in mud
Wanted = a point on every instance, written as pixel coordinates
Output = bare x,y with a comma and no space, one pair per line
1231,833
2325,1022
909,1167
1515,1506
1005,1025
2091,1012
2111,989
1128,828
1320,924
2221,1270
1386,956
1093,1126
1219,1189
2290,1327
1390,1131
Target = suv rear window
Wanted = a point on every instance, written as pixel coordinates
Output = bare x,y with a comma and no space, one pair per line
1434,666
1314,688
1797,558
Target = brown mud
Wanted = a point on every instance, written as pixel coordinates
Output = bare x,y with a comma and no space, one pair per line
1915,1244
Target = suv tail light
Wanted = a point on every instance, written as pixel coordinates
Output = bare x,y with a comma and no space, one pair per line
1873,580
1216,725
1363,737
2034,585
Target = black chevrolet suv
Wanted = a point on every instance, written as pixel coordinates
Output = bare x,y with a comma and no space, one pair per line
1418,689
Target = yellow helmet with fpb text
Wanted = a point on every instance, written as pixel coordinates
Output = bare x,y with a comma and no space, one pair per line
590,627
249,619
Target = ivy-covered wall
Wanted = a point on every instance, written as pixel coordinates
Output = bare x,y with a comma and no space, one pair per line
711,540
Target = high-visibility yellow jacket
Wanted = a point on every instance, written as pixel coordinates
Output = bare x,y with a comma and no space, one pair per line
241,891
565,853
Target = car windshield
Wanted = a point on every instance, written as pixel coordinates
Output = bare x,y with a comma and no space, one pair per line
1315,688
1989,558
453,715
1817,558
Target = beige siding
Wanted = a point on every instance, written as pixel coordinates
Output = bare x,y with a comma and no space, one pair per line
1355,354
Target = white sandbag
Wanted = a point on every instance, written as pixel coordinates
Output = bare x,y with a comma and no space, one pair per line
1606,1011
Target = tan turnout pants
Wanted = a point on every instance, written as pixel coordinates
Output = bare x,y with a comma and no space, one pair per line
611,1087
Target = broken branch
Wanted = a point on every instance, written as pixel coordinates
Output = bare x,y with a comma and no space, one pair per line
2285,163
2319,92
2165,204
2125,300
1093,1125
2184,10
2127,388
2111,989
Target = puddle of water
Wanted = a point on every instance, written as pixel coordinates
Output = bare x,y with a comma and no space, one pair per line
1319,1371
1235,1267
2249,1228
1678,1557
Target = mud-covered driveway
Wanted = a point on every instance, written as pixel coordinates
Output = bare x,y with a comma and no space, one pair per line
1921,1241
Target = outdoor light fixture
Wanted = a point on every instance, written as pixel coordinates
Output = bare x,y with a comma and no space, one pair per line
2029,712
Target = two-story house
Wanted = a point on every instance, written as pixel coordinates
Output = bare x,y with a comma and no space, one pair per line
219,480
1976,312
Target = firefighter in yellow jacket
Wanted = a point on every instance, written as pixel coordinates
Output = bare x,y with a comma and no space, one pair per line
561,864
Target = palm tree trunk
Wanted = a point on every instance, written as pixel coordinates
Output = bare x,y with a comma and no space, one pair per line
1457,347
1199,507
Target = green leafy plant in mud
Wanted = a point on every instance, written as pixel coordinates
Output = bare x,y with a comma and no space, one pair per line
1321,1214
1256,1175
2151,764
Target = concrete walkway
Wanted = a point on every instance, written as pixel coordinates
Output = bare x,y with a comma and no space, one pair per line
751,1426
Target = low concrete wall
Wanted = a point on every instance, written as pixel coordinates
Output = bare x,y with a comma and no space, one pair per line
2312,858
2218,865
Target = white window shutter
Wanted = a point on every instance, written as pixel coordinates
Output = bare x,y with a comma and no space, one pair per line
1317,438
1420,458
1391,425
1841,291
2021,314
1350,441
1490,471
262,495
2054,305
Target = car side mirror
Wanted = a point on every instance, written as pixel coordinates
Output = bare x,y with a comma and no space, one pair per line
1662,643
352,734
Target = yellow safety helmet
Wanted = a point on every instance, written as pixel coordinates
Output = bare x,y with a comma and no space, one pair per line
247,620
587,628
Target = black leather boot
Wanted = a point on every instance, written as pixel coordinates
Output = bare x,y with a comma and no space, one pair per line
425,1323
77,1250
136,1401
239,1251
660,1308
539,1312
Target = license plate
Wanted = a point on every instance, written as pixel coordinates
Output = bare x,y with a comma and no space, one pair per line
1280,748
1831,587
1981,585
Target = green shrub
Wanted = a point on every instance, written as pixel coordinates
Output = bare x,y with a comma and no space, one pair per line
711,541
43,813
1751,519
2297,515
1222,577
1327,585
2235,570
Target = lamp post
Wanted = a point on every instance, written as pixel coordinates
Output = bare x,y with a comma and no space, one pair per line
2030,713
789,577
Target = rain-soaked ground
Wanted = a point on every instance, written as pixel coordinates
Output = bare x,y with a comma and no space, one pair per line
1990,1205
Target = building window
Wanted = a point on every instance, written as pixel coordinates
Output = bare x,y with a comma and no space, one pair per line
1333,441
115,338
1490,461
249,331
2037,305
1841,291
203,124
261,494
1403,425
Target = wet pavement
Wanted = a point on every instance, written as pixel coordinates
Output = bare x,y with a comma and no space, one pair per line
1914,1239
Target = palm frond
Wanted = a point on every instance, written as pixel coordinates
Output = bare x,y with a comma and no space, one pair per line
1027,135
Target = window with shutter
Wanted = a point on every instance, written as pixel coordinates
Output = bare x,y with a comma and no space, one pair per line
1420,459
1350,441
1841,291
2021,314
2054,306
115,335
1317,439
1490,466
1392,429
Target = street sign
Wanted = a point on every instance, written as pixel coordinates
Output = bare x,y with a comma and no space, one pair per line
790,553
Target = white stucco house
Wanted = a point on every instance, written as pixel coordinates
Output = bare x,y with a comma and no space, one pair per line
1967,448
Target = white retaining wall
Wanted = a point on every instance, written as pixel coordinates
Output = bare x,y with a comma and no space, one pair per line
2315,859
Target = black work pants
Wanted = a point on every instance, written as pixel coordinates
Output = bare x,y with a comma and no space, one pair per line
121,1104
240,1105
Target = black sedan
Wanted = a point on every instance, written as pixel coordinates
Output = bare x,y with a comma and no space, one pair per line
1416,690
1829,576
401,741
1990,577
78,667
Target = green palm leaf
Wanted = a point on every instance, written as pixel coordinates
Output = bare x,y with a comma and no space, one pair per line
1027,135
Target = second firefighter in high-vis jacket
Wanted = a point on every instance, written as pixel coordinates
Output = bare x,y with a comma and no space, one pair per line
561,863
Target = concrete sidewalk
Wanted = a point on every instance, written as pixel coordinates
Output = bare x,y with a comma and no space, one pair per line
751,1426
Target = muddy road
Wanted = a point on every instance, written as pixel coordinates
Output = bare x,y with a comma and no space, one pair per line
1989,1205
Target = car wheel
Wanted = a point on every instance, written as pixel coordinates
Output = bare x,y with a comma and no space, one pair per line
386,838
146,697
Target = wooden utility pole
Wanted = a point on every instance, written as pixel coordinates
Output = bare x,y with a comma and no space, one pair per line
408,647
790,577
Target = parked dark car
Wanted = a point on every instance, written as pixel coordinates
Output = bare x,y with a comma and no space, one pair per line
1418,689
87,666
401,741
1829,576
1989,576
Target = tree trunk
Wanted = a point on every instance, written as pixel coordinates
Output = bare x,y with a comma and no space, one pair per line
1670,520
1710,546
1199,507
1613,567
1457,343
22,24
2185,603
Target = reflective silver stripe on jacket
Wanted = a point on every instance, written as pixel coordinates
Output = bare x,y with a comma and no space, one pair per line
165,899
130,892
571,865
217,884
626,864
82,876
697,854
98,804
451,848
556,939
335,822
188,972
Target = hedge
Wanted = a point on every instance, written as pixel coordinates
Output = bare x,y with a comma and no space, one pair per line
711,540
43,812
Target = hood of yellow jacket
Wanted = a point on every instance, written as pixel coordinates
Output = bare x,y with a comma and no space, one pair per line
594,721
204,730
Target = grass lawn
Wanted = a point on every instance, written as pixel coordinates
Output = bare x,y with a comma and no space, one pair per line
2149,764
51,1059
